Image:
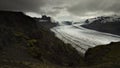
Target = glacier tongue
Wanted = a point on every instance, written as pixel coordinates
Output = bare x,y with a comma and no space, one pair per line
82,38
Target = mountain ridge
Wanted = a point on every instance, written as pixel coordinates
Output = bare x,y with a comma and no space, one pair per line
108,24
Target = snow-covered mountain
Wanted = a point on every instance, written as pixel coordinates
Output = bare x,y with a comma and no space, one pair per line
109,24
104,19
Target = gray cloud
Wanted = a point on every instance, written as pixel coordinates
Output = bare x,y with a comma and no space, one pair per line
51,7
54,7
21,5
94,6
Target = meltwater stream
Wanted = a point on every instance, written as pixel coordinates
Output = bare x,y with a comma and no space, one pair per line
82,38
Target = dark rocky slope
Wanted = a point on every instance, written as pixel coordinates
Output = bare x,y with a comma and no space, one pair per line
104,56
23,44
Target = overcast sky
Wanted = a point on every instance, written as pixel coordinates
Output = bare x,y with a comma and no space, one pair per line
63,9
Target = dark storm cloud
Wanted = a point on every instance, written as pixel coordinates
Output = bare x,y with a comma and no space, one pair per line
86,6
37,6
21,5
54,7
